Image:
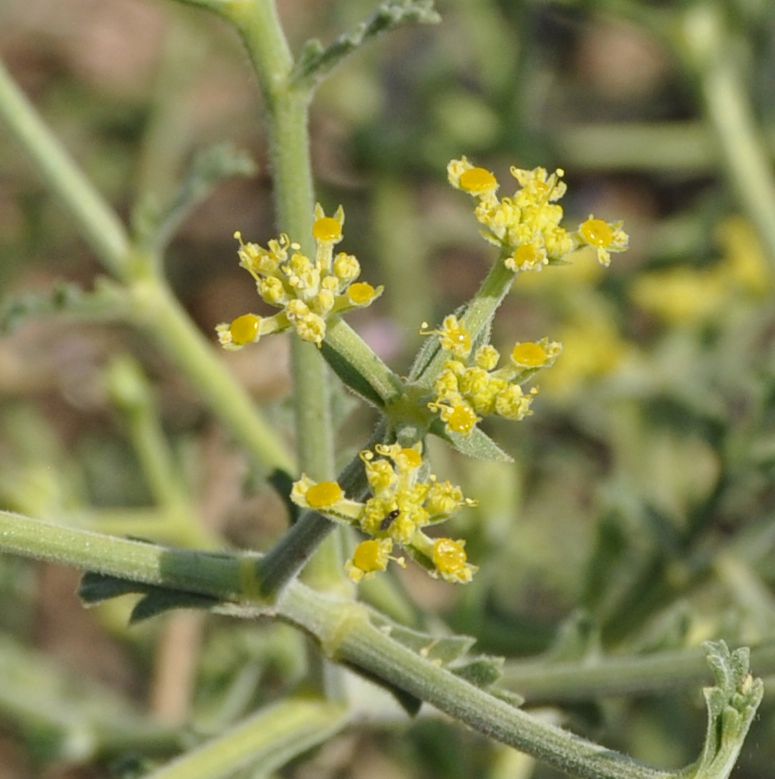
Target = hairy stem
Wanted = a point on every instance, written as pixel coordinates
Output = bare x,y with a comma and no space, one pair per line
342,627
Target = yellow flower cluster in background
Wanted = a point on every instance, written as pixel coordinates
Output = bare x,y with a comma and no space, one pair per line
526,225
307,290
404,500
471,386
689,295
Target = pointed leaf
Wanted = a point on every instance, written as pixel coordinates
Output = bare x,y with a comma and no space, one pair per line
315,60
477,445
351,377
482,671
282,482
159,600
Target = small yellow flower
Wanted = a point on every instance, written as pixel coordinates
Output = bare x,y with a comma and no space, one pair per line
362,294
370,557
535,354
487,357
513,403
603,236
528,256
529,355
526,225
478,181
459,417
451,561
307,290
453,336
324,495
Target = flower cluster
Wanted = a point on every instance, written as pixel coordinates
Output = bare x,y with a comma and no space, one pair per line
472,386
307,290
404,500
526,226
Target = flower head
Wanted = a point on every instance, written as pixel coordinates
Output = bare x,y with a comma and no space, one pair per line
451,561
471,387
307,290
370,557
526,225
404,500
603,236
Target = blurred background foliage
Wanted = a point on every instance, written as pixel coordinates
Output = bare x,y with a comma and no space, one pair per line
638,515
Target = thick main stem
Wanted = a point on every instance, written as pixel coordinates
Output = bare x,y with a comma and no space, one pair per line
288,135
342,627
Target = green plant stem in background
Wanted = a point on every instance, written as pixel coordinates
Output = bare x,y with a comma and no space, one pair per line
711,52
153,305
544,681
343,629
402,251
132,393
85,719
160,315
97,222
268,739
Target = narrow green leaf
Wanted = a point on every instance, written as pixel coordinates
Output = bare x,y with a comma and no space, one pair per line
351,377
477,445
107,302
482,671
159,600
154,227
315,60
97,587
282,482
440,649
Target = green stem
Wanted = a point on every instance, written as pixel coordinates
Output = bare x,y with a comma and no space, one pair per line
711,55
158,312
287,123
342,627
269,739
284,561
161,314
228,577
133,395
349,637
478,313
96,220
542,681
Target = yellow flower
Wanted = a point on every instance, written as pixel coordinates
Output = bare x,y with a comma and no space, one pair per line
603,236
535,354
453,336
465,393
404,500
306,290
369,558
451,561
526,225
